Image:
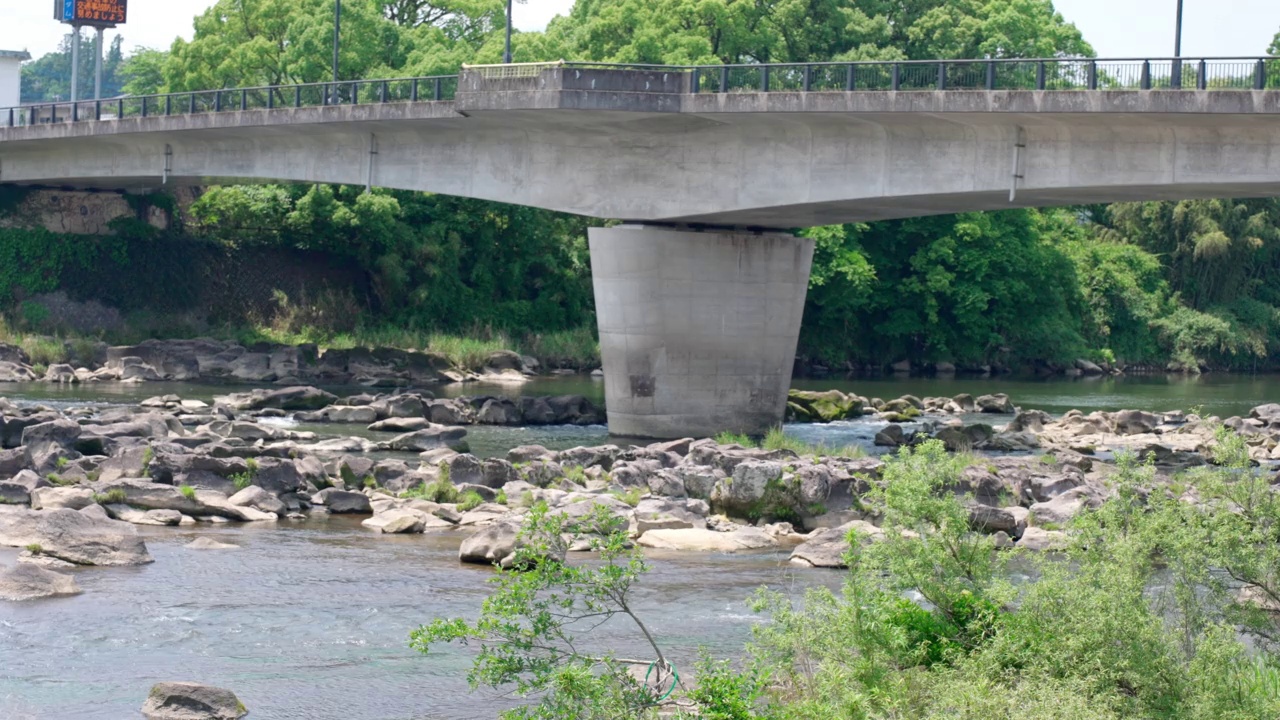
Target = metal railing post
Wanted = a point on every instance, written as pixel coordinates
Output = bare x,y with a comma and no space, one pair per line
168,105
437,92
1260,76
297,96
191,104
850,79
271,99
695,79
942,76
144,106
1093,75
1146,74
11,115
413,90
1175,74
991,75
764,78
97,109
120,109
53,114
217,101
1040,76
724,78
244,100
1202,72
897,76
808,78
75,111
355,93
383,91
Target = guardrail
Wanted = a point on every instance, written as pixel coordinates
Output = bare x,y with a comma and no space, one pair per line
1241,73
439,87
1244,73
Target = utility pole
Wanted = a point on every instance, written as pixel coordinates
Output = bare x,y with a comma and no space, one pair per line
1177,40
506,56
75,61
337,35
97,66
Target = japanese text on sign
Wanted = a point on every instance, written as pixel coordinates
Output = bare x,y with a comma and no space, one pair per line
100,12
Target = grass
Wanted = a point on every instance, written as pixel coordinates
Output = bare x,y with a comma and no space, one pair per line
778,439
34,548
62,463
631,497
242,480
501,499
575,474
577,348
188,492
470,500
147,456
112,497
60,481
439,491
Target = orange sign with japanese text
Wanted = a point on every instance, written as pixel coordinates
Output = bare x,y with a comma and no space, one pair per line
101,12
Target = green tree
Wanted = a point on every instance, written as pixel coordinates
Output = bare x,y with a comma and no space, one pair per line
49,78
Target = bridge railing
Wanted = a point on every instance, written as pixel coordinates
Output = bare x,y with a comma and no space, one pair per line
987,74
358,92
1240,73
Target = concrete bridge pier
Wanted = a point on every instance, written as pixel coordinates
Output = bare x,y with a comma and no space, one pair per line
698,330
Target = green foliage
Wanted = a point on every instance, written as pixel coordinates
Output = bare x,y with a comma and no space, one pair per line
49,78
242,480
728,438
470,500
116,496
501,498
777,439
34,548
725,693
148,455
438,491
188,492
631,497
532,627
370,482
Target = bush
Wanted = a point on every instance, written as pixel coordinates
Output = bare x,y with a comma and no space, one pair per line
188,492
470,500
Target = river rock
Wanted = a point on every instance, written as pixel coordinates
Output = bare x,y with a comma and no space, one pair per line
823,407
998,403
493,545
1040,540
1135,422
32,582
701,540
52,498
290,398
258,499
205,543
1060,509
401,425
191,701
347,502
826,548
741,494
341,414
991,519
891,436
404,520
74,537
433,437
133,516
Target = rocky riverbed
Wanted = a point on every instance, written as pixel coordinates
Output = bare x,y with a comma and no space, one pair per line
74,482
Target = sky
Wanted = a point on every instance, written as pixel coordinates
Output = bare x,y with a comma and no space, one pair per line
1116,28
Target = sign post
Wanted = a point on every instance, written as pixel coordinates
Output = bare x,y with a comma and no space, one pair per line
97,14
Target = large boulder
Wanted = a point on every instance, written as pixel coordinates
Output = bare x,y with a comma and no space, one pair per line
258,499
290,398
1041,540
823,407
32,582
826,548
493,545
404,521
361,415
53,498
345,502
191,701
431,438
743,494
74,537
47,442
998,403
1135,422
702,540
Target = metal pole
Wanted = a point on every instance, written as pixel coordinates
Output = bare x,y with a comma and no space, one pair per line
506,56
337,35
75,60
1177,40
97,67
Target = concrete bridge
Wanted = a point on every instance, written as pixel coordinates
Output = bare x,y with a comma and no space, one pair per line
699,295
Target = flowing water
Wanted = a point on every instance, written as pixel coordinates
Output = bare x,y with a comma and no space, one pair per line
310,620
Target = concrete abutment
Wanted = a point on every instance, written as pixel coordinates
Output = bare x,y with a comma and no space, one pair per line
698,330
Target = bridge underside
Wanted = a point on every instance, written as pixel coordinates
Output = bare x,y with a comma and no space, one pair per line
699,322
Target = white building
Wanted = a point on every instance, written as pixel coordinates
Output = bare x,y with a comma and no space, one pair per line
11,77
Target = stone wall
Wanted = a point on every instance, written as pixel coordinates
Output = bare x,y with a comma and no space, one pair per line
77,212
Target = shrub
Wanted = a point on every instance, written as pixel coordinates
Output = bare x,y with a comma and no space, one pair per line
470,500
34,548
438,491
116,496
188,492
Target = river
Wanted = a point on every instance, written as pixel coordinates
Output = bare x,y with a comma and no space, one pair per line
311,620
